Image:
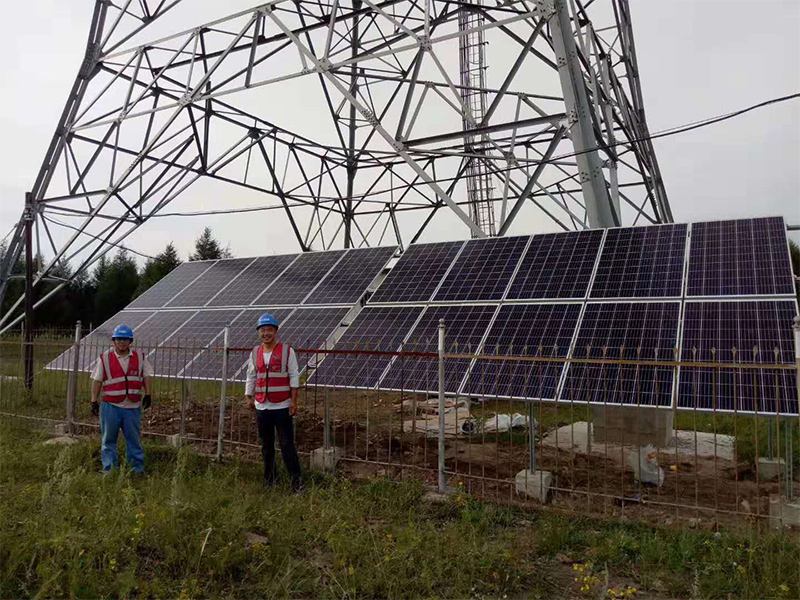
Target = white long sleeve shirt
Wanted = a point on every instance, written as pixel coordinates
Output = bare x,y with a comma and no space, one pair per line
147,371
250,381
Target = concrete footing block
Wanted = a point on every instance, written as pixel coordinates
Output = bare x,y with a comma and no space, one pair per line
176,440
535,484
326,459
770,469
61,429
783,512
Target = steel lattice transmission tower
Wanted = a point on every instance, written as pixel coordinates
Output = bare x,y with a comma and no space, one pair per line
359,122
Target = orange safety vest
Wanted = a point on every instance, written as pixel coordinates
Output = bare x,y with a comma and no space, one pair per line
272,384
117,384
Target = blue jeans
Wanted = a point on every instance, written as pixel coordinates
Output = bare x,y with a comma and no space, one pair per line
112,419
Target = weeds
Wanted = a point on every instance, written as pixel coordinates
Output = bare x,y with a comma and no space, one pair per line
181,533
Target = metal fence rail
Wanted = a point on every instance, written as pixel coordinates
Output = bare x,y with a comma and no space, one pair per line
634,461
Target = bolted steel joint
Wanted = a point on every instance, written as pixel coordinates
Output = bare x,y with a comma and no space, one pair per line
187,98
425,43
398,145
546,8
323,66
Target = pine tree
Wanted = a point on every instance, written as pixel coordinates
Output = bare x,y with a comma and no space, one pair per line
116,289
207,248
157,268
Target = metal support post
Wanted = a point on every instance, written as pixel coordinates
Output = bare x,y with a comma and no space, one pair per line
28,216
223,396
326,422
532,438
789,455
441,406
183,410
72,382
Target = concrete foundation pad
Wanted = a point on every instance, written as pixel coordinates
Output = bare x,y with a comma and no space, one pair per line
175,441
60,429
576,437
635,425
535,484
63,440
771,468
783,513
326,459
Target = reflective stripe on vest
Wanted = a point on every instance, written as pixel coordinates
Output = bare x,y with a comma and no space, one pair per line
273,383
117,384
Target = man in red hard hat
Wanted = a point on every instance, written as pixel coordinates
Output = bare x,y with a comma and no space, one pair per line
123,376
273,380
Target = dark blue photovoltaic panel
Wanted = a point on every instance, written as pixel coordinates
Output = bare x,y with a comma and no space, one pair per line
465,327
163,291
299,279
641,262
351,276
210,283
631,331
525,330
557,265
711,330
375,329
416,275
252,281
99,340
735,258
186,342
483,269
241,338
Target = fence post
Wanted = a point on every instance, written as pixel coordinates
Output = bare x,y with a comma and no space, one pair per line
183,411
441,406
532,437
326,422
72,380
789,453
223,392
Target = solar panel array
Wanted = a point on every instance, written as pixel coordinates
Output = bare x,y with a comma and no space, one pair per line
643,294
179,322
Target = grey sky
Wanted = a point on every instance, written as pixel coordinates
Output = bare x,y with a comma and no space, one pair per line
697,59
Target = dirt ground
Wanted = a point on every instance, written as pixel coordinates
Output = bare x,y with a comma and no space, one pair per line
368,427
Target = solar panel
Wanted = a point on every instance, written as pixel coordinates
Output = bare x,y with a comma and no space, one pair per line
557,265
375,329
644,331
483,269
177,279
746,257
186,342
241,338
252,281
525,330
299,279
160,326
416,275
99,340
756,330
348,280
641,262
210,282
465,327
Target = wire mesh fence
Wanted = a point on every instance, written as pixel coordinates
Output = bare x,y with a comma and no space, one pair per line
482,424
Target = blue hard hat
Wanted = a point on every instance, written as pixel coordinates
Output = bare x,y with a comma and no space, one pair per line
122,331
267,319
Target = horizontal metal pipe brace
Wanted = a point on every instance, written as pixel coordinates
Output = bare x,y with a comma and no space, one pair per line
486,130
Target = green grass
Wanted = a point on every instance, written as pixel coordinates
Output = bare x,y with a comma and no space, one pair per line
180,532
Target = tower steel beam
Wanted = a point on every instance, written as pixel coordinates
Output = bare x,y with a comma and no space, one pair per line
402,142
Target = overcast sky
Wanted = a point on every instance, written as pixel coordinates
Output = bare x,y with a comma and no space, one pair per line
697,59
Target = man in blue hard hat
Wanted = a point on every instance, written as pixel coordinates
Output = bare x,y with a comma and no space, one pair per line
123,377
273,380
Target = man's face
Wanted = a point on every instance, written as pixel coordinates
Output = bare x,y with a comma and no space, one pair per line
267,334
122,345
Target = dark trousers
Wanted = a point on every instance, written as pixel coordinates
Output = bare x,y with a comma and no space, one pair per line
268,421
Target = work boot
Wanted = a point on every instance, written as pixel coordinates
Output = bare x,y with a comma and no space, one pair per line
297,485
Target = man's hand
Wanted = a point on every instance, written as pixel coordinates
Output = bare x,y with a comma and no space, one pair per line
95,408
147,401
248,402
293,407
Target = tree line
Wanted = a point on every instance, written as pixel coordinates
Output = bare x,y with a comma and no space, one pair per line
115,282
